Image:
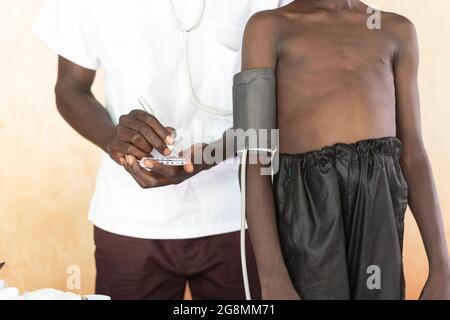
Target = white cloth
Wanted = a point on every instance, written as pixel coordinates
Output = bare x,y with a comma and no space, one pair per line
140,49
12,293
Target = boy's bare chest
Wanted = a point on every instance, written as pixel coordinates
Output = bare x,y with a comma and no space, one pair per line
349,47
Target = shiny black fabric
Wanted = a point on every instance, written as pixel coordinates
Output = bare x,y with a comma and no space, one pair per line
340,215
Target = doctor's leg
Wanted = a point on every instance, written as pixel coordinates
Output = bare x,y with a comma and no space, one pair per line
138,269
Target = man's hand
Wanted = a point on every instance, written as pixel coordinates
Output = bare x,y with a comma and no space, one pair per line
163,175
137,134
437,286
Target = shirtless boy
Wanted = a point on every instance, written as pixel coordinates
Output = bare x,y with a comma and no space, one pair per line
351,156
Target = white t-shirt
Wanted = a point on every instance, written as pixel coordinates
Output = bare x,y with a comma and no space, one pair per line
141,50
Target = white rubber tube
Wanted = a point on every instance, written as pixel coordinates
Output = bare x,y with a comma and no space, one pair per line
192,94
243,225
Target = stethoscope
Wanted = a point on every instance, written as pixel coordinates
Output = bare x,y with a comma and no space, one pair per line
215,112
187,65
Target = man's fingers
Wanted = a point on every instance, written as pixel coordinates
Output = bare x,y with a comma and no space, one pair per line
187,154
189,168
150,179
128,163
135,138
163,170
119,159
133,167
154,123
121,148
172,133
194,156
146,131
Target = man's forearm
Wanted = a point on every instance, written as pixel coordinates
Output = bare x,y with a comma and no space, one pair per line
85,114
424,204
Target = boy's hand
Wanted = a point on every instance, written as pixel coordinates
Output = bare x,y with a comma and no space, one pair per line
279,291
163,175
437,286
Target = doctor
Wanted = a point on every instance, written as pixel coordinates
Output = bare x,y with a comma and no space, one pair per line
155,231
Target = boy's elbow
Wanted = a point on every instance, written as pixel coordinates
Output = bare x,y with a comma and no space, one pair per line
414,156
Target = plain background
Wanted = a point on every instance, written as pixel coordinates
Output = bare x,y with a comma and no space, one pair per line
48,172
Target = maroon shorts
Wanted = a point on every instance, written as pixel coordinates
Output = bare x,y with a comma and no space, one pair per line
131,268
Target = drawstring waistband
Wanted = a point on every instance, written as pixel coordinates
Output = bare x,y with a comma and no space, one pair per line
354,151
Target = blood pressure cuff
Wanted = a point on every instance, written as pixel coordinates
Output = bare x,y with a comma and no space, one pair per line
254,109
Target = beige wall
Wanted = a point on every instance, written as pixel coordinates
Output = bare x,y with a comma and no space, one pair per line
46,186
48,172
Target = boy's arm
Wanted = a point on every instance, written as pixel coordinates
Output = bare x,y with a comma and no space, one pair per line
260,51
423,198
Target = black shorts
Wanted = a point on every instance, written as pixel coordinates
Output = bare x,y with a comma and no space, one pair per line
340,214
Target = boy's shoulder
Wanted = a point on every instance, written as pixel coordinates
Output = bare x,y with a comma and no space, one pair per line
395,20
268,20
265,18
397,25
264,23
